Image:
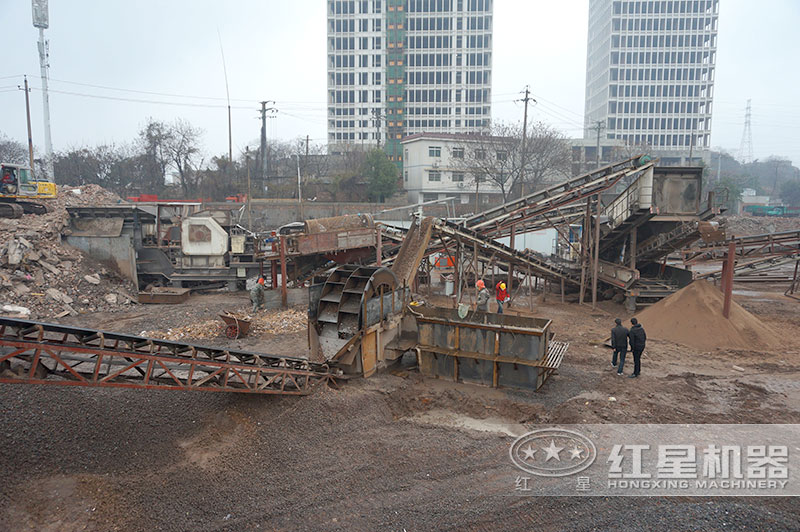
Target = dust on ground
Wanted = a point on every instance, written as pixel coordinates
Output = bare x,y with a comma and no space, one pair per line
393,452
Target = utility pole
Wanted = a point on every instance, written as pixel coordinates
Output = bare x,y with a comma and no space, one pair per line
526,99
249,190
228,96
264,162
598,127
299,189
41,20
307,139
30,135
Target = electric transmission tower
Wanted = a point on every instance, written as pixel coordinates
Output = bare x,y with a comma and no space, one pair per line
746,148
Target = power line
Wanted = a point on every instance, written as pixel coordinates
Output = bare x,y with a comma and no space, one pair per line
153,93
138,100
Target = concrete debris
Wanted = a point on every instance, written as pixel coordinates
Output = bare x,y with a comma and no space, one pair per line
15,311
757,225
36,269
111,299
58,296
264,323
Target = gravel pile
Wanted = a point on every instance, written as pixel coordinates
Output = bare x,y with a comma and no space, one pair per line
41,278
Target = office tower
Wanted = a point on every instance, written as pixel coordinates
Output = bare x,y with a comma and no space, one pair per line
650,75
398,67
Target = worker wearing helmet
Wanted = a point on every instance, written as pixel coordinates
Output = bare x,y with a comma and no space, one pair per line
482,304
257,296
501,296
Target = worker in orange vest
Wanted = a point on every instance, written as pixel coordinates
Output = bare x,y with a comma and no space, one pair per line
501,295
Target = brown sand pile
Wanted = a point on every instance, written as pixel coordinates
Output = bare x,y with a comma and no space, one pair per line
693,317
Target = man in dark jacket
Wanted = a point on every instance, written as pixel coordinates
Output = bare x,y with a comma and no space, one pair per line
638,338
619,343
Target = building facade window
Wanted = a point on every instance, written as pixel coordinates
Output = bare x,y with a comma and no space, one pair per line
434,151
434,176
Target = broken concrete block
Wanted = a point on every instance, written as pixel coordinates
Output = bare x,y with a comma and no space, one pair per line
58,295
49,267
111,299
15,311
93,279
21,289
14,253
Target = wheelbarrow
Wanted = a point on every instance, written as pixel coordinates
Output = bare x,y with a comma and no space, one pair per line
235,327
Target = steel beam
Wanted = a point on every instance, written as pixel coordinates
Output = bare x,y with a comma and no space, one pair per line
31,351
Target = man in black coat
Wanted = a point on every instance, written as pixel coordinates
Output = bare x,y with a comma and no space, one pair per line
638,338
619,343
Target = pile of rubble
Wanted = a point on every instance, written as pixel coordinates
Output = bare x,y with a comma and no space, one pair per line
758,225
262,324
42,278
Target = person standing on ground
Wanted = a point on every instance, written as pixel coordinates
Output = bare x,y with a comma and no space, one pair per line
619,343
502,296
483,297
637,338
257,294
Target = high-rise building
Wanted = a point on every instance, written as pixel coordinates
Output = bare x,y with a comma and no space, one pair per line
650,74
399,67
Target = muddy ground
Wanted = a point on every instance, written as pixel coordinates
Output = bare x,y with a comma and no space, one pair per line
393,452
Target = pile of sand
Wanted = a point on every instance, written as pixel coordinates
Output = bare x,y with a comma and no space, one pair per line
693,317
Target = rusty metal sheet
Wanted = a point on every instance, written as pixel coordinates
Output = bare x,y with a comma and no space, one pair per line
711,232
369,353
338,223
308,244
164,295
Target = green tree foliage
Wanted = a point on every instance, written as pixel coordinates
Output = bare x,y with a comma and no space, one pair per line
790,192
381,175
730,188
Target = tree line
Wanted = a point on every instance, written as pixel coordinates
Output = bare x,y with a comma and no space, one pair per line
168,159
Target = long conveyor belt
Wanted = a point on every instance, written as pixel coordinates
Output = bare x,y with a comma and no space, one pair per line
46,353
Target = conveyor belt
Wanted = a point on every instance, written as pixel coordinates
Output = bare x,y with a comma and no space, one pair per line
46,353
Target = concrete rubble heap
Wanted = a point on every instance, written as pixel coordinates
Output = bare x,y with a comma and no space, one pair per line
42,278
263,323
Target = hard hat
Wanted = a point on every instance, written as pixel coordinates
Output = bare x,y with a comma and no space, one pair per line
480,284
260,280
502,286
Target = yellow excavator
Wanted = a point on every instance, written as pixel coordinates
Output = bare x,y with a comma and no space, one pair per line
18,187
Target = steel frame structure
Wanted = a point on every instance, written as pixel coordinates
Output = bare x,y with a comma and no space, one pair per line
92,358
747,247
501,218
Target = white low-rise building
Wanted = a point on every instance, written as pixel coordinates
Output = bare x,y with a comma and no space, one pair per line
434,168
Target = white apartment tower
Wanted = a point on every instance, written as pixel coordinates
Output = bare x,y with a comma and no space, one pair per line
399,67
650,74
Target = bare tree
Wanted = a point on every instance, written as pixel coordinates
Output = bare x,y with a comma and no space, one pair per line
183,151
492,159
152,142
12,151
547,155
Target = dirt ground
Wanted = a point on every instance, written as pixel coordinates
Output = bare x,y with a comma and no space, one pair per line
393,452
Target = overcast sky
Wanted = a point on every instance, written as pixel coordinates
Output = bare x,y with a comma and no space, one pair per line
275,50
